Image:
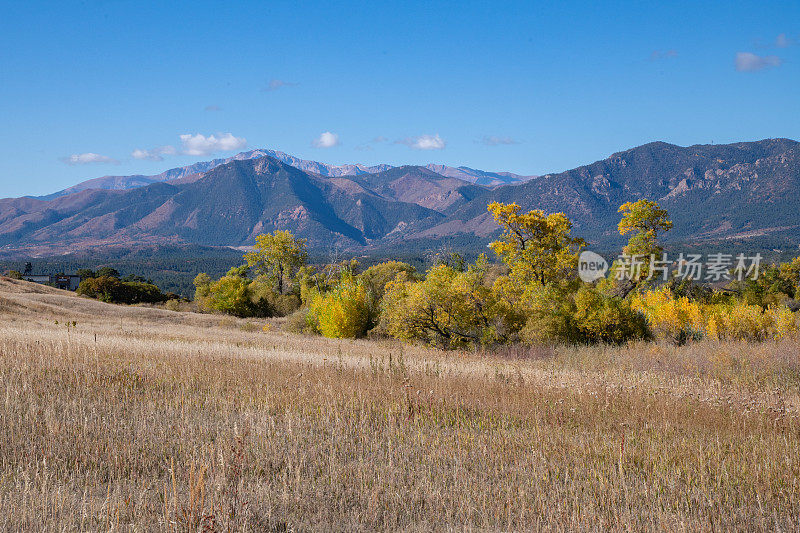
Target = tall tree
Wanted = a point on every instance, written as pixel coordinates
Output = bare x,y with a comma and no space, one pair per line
645,219
537,247
278,256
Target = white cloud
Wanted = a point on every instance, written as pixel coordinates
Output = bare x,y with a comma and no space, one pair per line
156,154
747,62
88,157
493,140
424,142
274,85
326,140
201,145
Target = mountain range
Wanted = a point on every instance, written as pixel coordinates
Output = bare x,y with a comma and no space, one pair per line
480,177
740,191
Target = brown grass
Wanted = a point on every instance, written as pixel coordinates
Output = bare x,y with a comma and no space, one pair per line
143,419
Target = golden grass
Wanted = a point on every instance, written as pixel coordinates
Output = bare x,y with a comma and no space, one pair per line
144,419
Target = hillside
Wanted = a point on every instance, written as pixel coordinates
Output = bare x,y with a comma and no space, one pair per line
741,190
227,206
747,191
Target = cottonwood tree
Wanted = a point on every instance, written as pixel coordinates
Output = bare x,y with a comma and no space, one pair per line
278,256
645,220
449,309
537,248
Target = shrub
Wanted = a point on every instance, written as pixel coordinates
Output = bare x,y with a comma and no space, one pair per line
548,312
268,302
237,295
112,290
741,321
607,319
298,322
230,295
449,309
378,276
586,316
680,319
348,311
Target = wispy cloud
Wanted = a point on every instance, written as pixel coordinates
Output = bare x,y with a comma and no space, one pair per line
326,140
87,158
747,62
155,154
199,144
369,144
493,140
212,107
275,84
783,41
659,54
424,142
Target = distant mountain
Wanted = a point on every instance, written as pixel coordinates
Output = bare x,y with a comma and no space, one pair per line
742,191
190,172
739,190
479,177
226,206
421,186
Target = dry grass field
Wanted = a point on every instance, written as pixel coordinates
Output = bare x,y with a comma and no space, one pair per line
140,419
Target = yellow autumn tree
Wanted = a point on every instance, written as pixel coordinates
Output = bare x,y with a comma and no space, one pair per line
645,220
378,276
278,256
346,311
537,248
448,309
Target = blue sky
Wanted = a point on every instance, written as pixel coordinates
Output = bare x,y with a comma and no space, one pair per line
97,88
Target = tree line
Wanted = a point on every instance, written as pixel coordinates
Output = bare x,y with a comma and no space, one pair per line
532,295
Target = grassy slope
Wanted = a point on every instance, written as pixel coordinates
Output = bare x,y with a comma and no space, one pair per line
139,418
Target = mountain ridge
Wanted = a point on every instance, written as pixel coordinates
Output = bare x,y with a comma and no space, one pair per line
748,190
481,177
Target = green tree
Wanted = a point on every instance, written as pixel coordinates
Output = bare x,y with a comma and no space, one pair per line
278,256
238,295
607,319
790,273
106,272
202,290
113,290
86,273
775,285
